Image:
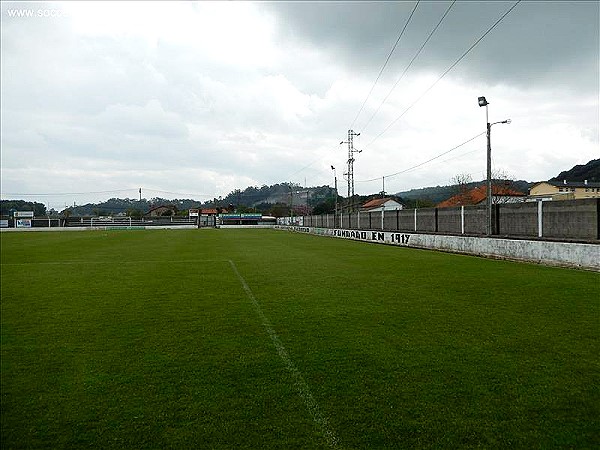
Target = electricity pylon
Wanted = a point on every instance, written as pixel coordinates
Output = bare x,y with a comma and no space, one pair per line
351,151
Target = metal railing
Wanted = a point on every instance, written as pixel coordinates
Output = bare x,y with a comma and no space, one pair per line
116,222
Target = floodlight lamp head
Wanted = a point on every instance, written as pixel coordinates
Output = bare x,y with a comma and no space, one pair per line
341,142
482,101
508,121
332,168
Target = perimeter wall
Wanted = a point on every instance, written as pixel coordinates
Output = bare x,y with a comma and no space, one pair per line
561,220
571,254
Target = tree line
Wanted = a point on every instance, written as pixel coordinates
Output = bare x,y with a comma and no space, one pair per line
279,200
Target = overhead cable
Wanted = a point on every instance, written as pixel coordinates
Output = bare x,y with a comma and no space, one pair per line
310,164
68,193
179,193
385,63
446,71
424,162
409,64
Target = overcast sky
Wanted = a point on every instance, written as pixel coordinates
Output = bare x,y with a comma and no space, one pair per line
194,100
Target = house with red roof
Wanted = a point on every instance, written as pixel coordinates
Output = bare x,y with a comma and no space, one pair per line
381,204
478,195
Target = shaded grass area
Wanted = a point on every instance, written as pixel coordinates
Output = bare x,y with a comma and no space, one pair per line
147,340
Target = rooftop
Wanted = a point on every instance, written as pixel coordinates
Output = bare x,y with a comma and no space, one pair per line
477,195
376,202
574,184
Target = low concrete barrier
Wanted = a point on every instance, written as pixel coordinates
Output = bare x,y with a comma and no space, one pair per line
102,228
545,252
244,226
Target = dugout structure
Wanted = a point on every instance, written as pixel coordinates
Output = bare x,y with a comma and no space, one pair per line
248,219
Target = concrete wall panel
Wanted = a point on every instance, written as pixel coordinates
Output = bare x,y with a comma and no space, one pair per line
575,220
518,219
426,219
449,220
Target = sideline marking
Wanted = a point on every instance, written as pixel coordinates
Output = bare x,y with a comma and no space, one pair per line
116,263
301,385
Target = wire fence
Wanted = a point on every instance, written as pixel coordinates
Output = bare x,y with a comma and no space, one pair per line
110,222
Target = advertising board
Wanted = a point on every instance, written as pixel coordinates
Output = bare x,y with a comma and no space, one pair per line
24,214
23,223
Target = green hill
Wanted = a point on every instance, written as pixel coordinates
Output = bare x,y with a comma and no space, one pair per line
581,172
438,194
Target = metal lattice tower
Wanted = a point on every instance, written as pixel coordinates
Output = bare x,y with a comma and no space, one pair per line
351,151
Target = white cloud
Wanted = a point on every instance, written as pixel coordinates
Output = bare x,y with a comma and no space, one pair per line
209,97
150,120
232,33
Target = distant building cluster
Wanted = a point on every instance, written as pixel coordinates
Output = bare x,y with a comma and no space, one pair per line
502,194
564,190
543,191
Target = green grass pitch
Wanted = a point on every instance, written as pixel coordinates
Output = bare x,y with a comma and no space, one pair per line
269,339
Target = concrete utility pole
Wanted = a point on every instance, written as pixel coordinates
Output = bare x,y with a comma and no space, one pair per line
483,102
336,191
351,151
488,205
291,204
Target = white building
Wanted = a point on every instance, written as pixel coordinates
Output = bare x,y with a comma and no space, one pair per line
381,204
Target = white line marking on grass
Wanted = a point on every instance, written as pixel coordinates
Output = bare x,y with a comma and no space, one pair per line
301,385
114,263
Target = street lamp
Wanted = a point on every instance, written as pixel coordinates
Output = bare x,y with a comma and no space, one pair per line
483,102
291,204
336,191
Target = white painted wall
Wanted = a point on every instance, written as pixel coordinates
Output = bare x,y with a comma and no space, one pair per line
545,252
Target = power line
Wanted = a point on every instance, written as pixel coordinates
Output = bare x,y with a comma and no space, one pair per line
436,157
68,193
46,194
425,162
308,165
461,155
446,71
385,63
410,63
179,193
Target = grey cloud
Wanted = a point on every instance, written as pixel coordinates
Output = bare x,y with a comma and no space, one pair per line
54,74
119,106
537,42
